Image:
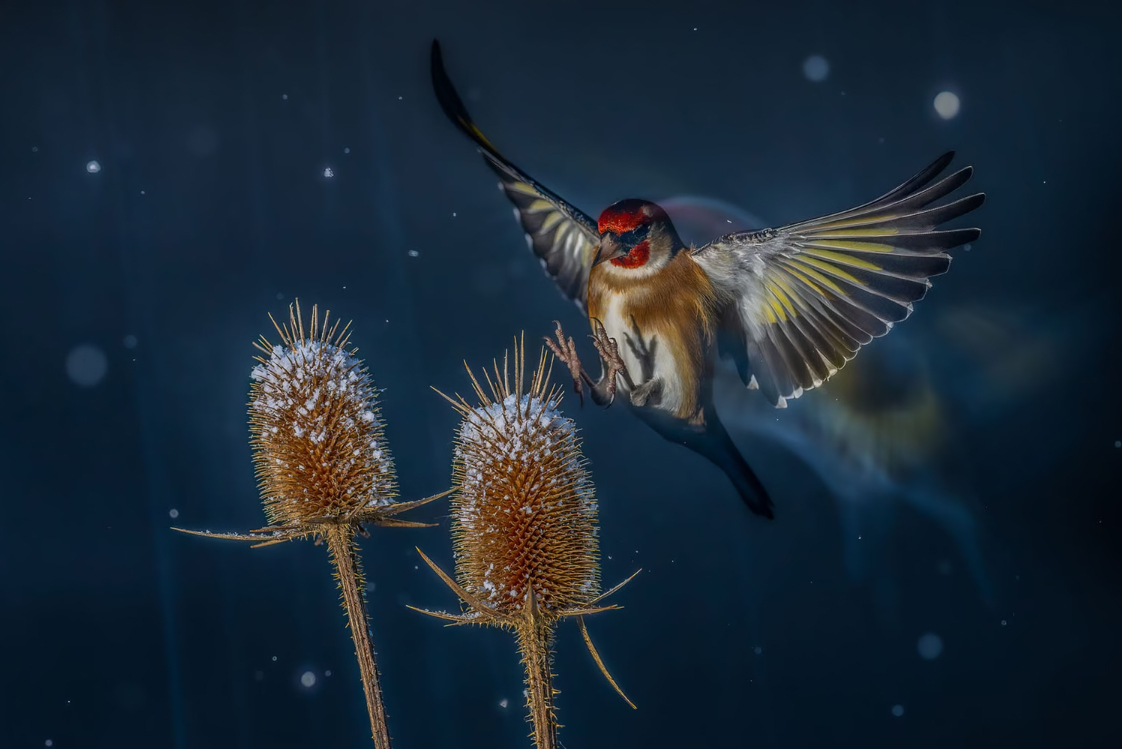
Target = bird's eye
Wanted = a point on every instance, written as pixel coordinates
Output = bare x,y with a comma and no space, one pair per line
634,237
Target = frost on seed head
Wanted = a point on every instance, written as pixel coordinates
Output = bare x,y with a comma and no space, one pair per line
316,428
525,510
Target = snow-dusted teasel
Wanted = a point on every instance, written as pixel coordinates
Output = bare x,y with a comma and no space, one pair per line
322,464
318,437
524,524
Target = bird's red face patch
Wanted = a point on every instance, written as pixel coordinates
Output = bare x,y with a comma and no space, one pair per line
637,257
623,217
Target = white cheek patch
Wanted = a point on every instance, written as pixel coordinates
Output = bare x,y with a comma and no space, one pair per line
643,271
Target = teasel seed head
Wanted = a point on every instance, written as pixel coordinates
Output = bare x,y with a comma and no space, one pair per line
323,466
524,525
316,429
524,513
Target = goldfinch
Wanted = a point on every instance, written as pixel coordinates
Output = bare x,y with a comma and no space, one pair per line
789,306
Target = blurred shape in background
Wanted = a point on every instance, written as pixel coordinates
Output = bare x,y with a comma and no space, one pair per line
877,435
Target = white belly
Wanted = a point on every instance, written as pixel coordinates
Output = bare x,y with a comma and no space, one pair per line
617,323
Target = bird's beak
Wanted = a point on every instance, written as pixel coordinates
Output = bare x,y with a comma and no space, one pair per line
609,248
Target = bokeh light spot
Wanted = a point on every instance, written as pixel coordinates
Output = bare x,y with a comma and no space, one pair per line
86,365
898,710
930,646
946,104
308,679
816,68
92,166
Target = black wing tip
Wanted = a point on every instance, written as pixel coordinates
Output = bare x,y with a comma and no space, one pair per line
762,505
960,237
936,167
939,165
436,67
446,95
972,202
766,512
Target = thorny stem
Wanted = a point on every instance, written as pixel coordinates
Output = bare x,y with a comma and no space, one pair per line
340,544
534,637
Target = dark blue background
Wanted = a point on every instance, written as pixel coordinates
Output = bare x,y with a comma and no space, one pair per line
211,209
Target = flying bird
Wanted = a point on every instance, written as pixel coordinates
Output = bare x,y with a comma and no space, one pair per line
789,306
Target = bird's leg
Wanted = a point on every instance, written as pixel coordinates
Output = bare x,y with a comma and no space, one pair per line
603,390
565,350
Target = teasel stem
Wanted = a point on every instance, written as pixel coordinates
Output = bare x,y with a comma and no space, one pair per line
535,636
341,546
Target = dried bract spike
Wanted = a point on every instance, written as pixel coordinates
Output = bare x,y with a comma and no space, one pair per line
317,434
525,511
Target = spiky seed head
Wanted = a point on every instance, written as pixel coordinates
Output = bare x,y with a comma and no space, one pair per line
524,513
315,426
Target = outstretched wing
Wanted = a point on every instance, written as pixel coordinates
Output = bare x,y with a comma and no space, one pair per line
564,238
804,298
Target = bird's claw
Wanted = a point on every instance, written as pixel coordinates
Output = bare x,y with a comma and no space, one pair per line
608,350
643,394
565,350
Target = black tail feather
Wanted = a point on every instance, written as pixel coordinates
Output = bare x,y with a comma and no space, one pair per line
726,457
714,443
